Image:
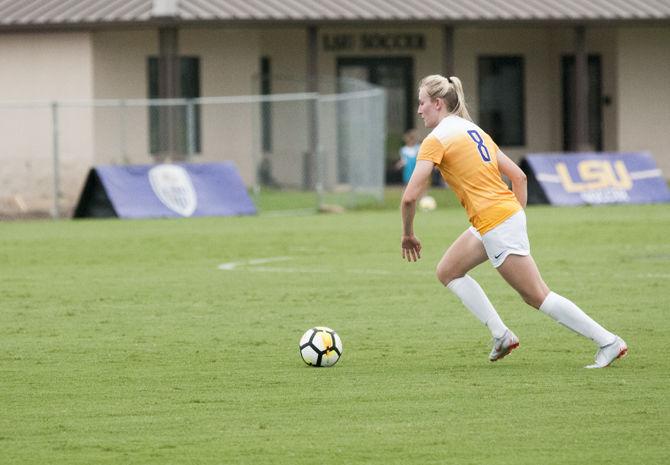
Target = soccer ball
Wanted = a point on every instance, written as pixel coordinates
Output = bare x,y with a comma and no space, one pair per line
320,347
427,203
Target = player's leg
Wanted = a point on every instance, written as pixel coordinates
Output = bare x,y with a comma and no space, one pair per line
463,255
522,274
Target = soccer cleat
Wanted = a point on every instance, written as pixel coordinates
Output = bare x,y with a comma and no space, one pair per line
609,353
503,345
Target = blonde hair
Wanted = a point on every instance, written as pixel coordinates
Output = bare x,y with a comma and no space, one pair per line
450,89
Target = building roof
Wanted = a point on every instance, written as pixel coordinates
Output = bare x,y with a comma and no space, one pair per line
91,13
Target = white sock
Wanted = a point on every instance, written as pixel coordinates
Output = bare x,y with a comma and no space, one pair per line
475,300
568,314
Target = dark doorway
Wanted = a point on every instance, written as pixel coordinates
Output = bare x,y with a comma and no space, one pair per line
396,75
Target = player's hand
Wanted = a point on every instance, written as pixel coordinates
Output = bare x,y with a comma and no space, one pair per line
411,248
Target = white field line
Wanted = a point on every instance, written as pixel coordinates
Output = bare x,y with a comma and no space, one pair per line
655,275
254,261
269,269
252,265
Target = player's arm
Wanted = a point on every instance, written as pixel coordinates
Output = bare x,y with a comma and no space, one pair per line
411,247
516,176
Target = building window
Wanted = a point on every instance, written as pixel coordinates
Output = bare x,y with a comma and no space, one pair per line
501,99
186,117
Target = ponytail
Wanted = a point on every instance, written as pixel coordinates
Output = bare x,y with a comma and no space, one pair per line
450,90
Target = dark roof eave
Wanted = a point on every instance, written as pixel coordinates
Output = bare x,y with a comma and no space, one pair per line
237,23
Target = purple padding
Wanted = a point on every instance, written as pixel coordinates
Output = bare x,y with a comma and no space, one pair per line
599,178
185,189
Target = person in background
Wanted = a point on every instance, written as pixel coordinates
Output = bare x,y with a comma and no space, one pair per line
473,165
408,153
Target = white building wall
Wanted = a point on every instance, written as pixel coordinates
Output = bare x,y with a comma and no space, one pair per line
42,67
604,41
120,72
542,50
112,64
643,75
599,41
229,60
286,49
540,87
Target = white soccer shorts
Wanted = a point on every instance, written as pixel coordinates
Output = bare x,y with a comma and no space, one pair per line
508,238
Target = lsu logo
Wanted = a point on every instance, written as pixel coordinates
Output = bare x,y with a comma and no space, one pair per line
173,187
595,175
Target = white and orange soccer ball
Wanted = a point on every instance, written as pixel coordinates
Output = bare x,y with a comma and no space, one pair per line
320,347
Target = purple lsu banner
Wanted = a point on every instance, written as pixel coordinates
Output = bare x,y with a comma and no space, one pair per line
598,178
175,190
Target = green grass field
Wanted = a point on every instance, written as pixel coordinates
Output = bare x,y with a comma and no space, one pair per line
122,342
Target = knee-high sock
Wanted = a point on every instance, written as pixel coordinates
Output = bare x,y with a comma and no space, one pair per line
568,314
475,300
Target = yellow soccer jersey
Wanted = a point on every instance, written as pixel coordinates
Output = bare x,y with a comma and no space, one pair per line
467,157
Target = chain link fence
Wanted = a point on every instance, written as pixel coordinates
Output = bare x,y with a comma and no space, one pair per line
331,145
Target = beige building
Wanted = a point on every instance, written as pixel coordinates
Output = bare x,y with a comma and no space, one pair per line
542,76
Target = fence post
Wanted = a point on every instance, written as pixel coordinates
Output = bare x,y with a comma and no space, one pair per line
190,129
122,132
55,213
320,168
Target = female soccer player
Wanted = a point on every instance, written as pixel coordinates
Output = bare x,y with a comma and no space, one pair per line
472,164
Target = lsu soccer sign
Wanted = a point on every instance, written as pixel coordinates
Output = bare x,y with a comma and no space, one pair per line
594,178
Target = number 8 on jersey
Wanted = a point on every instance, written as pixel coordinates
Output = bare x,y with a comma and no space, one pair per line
477,138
